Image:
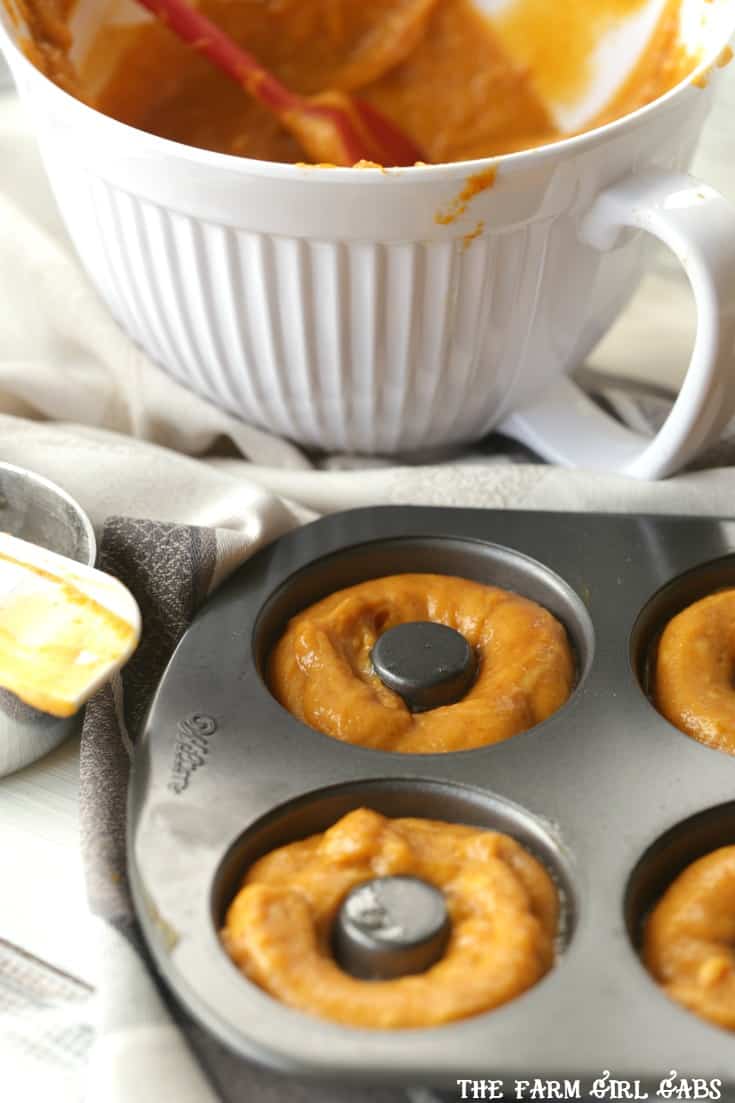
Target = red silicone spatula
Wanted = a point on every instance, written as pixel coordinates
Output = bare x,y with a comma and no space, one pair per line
332,127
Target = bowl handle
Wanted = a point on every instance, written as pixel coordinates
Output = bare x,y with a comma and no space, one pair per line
564,425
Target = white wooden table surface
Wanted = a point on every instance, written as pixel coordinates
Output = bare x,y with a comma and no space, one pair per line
39,852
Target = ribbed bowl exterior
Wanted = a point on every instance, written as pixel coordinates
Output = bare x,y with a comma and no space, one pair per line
342,313
361,346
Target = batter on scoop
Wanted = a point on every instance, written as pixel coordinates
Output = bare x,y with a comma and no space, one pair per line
689,944
321,670
502,905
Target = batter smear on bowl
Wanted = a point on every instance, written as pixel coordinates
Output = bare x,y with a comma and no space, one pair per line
502,905
461,84
322,669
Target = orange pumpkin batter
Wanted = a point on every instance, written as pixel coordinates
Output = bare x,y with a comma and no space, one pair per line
322,672
463,87
689,942
695,664
502,905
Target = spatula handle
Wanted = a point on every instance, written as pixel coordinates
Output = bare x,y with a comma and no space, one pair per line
207,38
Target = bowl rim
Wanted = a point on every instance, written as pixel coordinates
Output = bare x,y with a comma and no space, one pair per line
697,81
59,492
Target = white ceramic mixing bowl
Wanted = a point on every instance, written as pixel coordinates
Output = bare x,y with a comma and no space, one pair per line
330,305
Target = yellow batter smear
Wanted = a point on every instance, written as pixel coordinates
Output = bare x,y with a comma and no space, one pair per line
322,672
689,944
725,57
473,235
558,46
664,62
474,185
502,905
